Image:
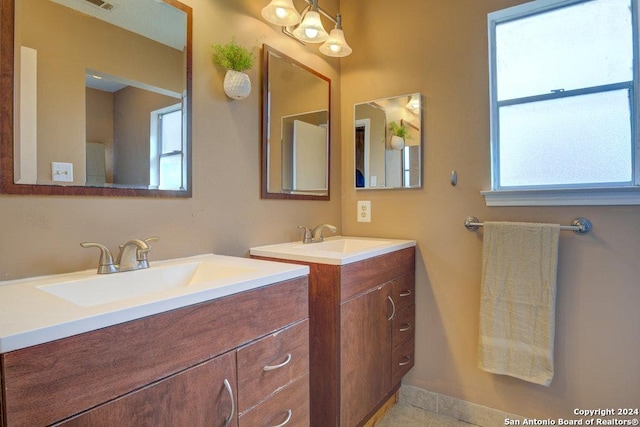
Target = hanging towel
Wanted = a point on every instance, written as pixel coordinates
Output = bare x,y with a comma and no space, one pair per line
518,298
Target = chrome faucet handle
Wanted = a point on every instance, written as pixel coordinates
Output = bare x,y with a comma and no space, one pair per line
307,234
128,258
141,254
105,264
316,234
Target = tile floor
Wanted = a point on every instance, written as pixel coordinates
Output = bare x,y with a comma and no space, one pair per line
403,415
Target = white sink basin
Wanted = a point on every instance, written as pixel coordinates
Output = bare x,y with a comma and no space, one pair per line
42,309
337,250
105,288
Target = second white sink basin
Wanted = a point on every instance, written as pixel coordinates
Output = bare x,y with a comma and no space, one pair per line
337,250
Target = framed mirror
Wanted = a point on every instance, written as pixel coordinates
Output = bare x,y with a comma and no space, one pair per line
388,143
96,97
296,109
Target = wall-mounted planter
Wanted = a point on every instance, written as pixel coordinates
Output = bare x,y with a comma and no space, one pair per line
237,85
397,143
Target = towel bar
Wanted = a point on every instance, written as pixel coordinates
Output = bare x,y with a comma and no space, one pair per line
578,225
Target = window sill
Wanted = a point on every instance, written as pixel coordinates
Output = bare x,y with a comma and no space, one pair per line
572,197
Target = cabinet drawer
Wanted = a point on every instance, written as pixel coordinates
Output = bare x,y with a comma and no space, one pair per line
403,325
270,363
403,292
290,404
402,361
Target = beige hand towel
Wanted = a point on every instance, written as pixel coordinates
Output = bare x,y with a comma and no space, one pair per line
518,298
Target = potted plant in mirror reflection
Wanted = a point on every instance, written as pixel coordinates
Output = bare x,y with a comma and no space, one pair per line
236,59
399,133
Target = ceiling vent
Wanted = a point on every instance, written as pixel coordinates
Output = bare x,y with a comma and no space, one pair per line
101,4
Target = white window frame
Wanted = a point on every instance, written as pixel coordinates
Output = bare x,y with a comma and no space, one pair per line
155,147
571,194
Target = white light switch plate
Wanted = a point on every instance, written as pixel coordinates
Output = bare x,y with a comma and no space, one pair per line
62,172
364,211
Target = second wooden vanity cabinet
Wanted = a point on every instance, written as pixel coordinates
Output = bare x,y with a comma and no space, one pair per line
240,360
362,318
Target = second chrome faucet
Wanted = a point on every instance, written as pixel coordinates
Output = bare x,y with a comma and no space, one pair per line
132,256
315,235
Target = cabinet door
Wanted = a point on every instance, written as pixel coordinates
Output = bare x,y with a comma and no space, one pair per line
195,397
365,354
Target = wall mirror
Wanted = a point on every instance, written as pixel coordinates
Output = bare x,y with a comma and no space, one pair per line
295,129
388,143
96,97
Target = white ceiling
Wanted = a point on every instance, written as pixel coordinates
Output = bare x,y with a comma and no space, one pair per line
153,19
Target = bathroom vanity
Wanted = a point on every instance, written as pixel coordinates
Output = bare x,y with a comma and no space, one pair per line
186,356
362,317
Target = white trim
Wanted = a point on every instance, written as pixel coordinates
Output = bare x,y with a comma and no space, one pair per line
574,197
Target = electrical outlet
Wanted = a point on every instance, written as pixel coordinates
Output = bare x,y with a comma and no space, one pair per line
364,211
62,172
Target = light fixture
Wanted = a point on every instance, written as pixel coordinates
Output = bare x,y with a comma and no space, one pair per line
281,12
336,45
310,29
414,103
309,25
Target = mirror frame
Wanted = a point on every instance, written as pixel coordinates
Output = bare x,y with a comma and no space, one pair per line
264,159
7,70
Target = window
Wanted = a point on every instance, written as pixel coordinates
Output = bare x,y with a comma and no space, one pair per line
564,103
167,160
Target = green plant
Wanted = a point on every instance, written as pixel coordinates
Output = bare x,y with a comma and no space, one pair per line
399,130
232,56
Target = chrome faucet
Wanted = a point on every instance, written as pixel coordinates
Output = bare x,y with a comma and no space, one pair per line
316,233
132,256
306,238
105,264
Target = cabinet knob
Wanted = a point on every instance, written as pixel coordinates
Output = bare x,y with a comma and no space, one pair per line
405,327
407,360
393,305
271,368
227,385
289,413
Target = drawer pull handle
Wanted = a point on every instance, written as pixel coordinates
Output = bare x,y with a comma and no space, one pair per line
405,327
233,406
405,293
393,305
408,360
289,413
271,368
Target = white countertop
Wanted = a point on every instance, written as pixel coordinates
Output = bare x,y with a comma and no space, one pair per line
31,316
336,250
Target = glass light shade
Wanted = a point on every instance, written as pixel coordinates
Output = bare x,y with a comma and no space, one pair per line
281,12
310,29
413,104
336,45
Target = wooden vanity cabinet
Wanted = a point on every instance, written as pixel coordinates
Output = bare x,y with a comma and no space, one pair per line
361,335
170,368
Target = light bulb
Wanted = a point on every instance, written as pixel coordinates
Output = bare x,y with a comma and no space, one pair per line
281,12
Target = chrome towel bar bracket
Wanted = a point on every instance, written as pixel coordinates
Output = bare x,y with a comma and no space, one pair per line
578,225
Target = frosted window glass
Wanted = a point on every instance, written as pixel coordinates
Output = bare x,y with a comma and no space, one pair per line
584,45
172,131
575,140
171,172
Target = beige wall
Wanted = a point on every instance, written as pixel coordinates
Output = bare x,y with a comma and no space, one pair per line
439,47
41,235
